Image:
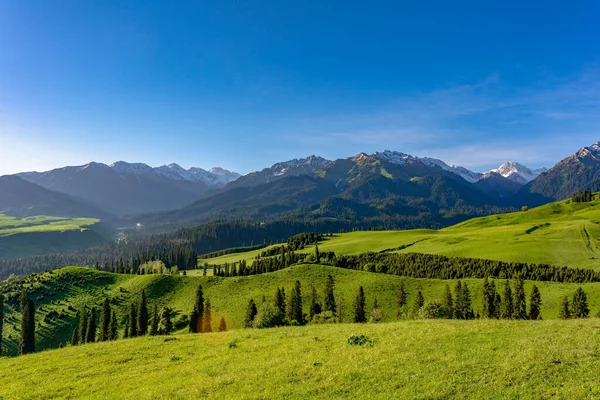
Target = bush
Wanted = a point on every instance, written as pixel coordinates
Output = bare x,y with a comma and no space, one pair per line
524,208
269,316
360,340
326,317
433,310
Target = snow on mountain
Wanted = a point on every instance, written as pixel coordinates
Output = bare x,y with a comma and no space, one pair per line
309,164
123,167
518,173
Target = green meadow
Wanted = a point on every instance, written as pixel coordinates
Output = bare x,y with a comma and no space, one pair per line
12,226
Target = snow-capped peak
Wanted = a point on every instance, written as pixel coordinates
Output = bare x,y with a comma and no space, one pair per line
518,173
123,167
309,164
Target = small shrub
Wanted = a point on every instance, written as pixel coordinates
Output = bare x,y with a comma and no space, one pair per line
233,344
524,208
360,340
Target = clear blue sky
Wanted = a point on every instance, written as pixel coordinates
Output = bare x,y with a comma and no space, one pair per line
247,83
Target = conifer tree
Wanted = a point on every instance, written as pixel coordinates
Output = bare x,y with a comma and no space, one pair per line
519,304
126,332
458,305
142,316
289,306
222,325
1,319
535,302
104,321
297,303
83,323
166,326
488,309
580,307
280,300
329,300
75,337
506,305
197,312
251,312
565,309
90,332
315,306
359,307
448,303
207,320
154,324
27,339
317,254
133,320
401,298
419,302
113,328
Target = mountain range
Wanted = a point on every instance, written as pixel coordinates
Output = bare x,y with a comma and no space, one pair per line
388,188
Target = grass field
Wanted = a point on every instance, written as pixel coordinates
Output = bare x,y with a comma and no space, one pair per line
229,296
409,359
12,226
562,233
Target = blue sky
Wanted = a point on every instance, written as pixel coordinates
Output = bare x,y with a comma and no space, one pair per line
245,84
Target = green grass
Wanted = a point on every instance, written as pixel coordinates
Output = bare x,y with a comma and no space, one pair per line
41,223
229,296
409,359
562,233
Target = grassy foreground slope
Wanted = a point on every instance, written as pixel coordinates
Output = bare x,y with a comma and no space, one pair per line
410,359
67,290
561,233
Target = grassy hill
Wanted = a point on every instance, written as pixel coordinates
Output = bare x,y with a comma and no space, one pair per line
561,233
62,292
46,234
410,359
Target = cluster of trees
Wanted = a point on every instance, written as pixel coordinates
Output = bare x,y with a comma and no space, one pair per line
232,250
433,266
284,259
577,308
201,315
301,240
512,303
583,197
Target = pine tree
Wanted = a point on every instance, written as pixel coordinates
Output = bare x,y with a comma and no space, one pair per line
126,332
222,325
535,302
27,339
419,302
113,328
580,306
105,320
459,305
401,298
329,300
197,312
297,303
82,325
1,319
315,306
166,326
448,303
75,337
506,305
90,332
154,324
359,307
317,254
207,320
519,304
142,316
565,309
251,312
133,320
280,300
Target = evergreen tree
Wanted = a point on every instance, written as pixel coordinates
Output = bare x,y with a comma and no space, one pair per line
329,300
126,332
166,326
489,300
359,307
83,323
104,320
506,305
27,339
280,300
297,303
251,312
448,303
376,314
462,307
113,328
315,306
142,316
317,254
289,306
197,312
401,298
207,320
419,302
90,332
1,319
580,306
535,302
222,325
565,309
519,304
154,325
75,337
133,320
